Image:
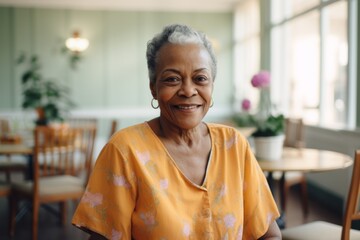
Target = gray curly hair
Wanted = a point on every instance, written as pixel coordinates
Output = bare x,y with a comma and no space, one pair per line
177,34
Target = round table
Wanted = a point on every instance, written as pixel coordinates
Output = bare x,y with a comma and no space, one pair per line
303,160
307,160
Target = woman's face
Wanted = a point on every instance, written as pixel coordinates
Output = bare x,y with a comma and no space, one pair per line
183,84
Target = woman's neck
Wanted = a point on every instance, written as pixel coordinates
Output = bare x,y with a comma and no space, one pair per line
170,132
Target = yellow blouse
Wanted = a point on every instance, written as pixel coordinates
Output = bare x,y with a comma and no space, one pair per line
136,191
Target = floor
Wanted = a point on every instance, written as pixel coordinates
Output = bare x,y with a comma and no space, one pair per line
317,211
51,229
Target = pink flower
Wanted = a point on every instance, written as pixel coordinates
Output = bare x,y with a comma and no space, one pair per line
186,230
164,184
115,235
222,190
144,157
229,220
148,218
93,199
121,181
261,79
245,104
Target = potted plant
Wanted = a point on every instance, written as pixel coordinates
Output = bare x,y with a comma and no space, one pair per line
50,99
269,127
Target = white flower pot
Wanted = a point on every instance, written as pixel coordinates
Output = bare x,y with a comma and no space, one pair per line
269,148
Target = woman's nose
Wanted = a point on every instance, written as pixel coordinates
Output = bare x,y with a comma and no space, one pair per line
188,89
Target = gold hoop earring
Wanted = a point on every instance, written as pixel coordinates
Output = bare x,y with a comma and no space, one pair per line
212,102
152,104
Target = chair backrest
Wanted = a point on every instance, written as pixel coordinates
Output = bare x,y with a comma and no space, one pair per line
61,151
294,133
89,126
352,211
4,127
113,127
81,122
87,139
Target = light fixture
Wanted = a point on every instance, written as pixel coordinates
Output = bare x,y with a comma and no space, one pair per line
77,44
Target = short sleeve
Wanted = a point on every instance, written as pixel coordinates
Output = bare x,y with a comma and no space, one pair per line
260,209
108,202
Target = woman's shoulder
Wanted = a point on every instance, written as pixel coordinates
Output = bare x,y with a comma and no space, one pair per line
220,130
131,133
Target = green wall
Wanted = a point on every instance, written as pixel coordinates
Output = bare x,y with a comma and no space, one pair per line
112,73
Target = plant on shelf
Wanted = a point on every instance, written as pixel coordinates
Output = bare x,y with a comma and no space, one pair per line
50,99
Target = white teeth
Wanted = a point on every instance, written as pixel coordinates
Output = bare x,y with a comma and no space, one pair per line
187,107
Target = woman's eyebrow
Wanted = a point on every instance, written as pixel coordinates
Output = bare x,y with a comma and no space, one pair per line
171,70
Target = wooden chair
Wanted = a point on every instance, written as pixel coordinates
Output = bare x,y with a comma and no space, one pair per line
61,166
90,125
8,165
325,230
113,127
81,122
294,137
4,127
4,190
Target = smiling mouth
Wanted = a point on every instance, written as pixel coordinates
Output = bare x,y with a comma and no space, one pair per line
187,107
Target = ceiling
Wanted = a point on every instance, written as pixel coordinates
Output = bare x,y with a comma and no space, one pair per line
135,5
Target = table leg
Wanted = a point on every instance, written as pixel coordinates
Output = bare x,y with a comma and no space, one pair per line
29,173
281,220
28,176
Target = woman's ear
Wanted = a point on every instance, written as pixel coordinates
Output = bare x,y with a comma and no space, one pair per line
153,90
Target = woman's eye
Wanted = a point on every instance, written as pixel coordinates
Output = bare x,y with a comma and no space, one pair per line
201,79
171,80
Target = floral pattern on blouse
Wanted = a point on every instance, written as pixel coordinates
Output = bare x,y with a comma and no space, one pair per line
136,191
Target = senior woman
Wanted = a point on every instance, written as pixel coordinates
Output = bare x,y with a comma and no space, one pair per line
176,177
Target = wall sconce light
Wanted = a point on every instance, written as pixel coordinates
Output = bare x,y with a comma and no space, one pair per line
76,43
74,46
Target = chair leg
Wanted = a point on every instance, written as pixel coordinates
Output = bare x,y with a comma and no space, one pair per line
304,197
35,219
283,192
8,176
63,212
13,202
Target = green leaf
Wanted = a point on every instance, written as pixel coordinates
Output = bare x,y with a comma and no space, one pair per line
44,93
272,126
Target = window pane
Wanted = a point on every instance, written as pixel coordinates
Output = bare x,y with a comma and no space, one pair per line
277,12
335,59
296,6
299,72
282,9
247,50
247,20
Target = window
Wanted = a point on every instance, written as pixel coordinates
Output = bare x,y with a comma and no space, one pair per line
309,60
309,46
296,69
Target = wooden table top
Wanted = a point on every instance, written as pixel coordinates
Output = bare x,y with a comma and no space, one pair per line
307,160
9,149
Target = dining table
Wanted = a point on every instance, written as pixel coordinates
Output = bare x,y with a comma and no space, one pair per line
15,149
307,160
21,148
303,160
